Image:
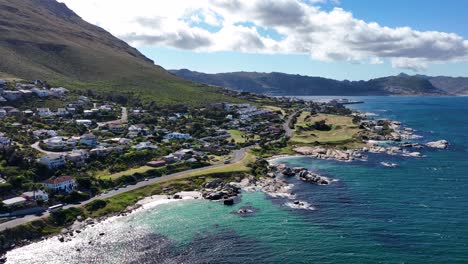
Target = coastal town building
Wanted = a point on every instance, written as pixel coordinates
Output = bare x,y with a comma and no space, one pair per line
88,140
157,163
55,142
177,135
85,122
144,145
14,201
52,162
36,195
62,183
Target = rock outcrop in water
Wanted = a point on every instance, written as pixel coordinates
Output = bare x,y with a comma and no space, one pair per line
302,173
440,144
218,190
308,176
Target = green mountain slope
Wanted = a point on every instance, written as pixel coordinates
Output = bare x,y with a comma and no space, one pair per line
288,84
43,39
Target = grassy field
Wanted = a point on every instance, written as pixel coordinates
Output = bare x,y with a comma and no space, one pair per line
240,166
237,136
106,176
342,129
274,109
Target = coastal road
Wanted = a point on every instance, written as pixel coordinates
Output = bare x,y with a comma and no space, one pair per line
287,129
238,155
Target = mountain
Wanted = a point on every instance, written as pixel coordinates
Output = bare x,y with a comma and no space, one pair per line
43,39
452,85
287,84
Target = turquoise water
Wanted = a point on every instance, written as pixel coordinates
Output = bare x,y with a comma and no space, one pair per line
416,213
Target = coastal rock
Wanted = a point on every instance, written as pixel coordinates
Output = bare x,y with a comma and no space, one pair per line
440,144
218,190
246,211
288,172
229,201
322,153
308,176
414,154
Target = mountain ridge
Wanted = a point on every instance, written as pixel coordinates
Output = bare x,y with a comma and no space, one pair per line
276,83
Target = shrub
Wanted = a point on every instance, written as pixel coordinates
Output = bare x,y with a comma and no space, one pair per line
96,205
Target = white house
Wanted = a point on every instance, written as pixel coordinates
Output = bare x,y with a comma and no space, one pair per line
52,162
4,141
62,183
88,140
44,133
39,92
58,91
44,112
12,95
78,157
177,135
14,201
145,145
85,122
36,195
62,111
55,142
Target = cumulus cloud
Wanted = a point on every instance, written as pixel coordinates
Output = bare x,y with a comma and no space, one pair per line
221,25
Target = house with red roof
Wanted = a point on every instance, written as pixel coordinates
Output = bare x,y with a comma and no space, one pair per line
62,183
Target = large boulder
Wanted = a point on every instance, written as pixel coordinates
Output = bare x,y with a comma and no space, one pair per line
440,144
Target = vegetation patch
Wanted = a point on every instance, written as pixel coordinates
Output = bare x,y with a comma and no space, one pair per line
324,129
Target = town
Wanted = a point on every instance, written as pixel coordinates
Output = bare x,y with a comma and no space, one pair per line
64,147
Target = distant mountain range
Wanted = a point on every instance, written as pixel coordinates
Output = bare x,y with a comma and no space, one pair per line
288,84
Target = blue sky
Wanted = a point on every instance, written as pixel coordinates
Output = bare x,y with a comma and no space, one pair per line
334,39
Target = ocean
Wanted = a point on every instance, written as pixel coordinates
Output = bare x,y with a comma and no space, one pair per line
414,213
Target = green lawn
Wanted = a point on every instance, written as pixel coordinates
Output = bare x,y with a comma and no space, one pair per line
342,129
237,135
106,176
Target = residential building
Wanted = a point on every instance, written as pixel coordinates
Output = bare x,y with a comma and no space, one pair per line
3,113
62,183
4,140
85,122
12,95
144,145
55,142
44,133
36,195
78,157
52,162
60,91
40,93
62,111
156,163
44,112
14,201
88,140
177,135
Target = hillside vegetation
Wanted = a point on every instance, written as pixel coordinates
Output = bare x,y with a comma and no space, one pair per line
43,39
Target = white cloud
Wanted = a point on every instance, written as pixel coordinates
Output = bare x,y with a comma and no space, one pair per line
327,36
